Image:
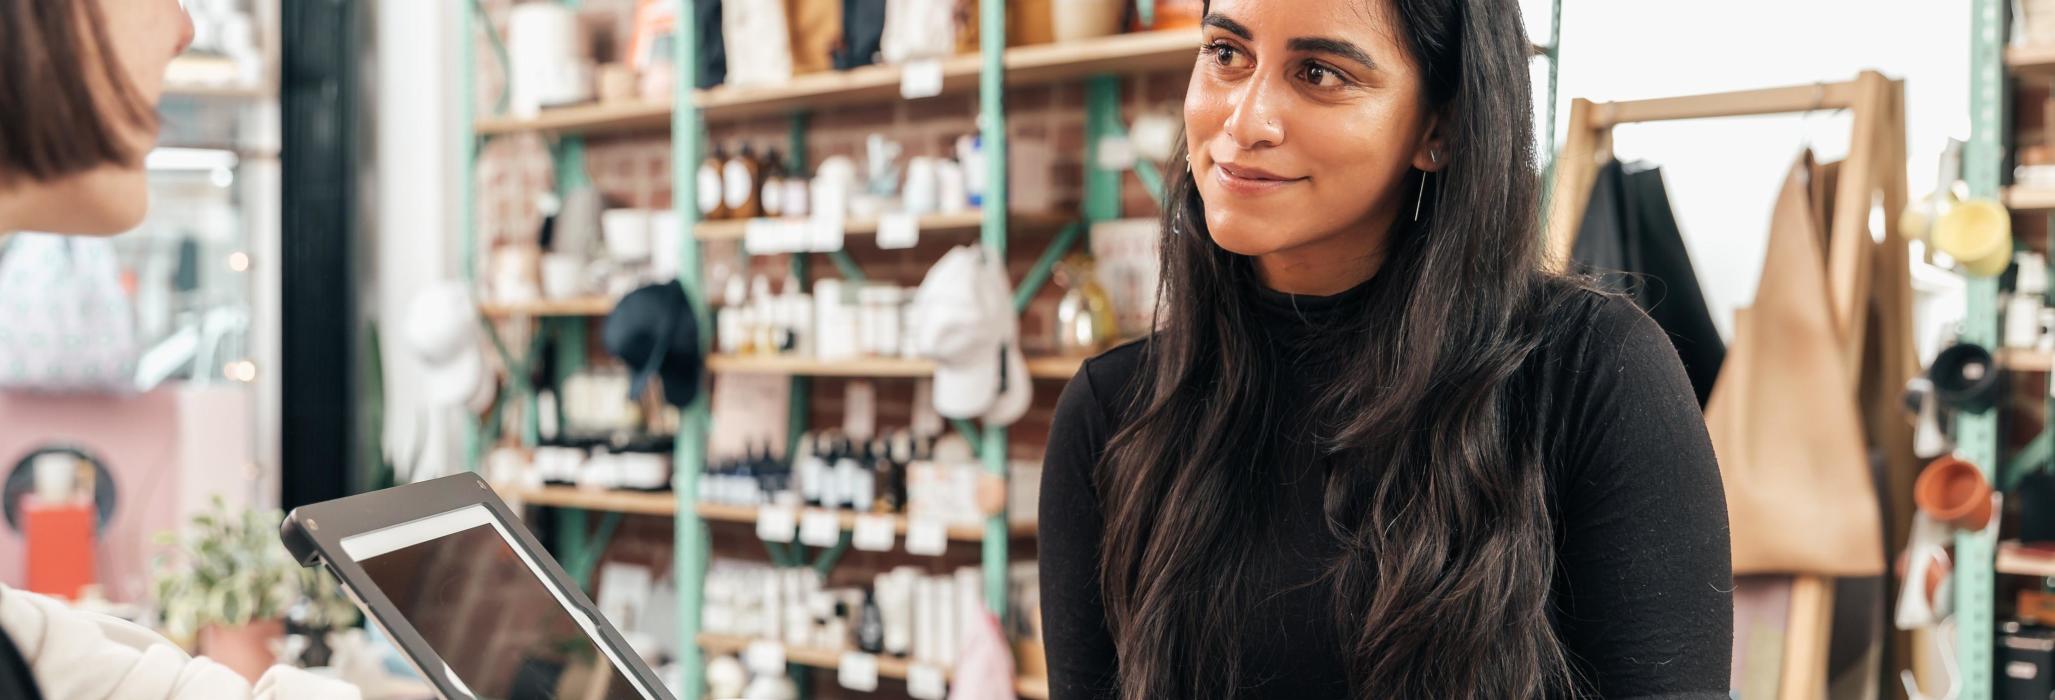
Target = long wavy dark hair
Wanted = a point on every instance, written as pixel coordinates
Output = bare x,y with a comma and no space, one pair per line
1436,489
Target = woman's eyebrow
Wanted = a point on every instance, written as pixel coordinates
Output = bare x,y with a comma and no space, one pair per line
1333,46
1230,26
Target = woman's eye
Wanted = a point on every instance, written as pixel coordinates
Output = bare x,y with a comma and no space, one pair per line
1322,76
1222,54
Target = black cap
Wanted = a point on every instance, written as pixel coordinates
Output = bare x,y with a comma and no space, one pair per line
654,331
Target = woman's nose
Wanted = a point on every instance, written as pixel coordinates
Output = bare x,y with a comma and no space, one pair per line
185,30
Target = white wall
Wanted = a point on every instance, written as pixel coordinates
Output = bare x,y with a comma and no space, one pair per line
416,200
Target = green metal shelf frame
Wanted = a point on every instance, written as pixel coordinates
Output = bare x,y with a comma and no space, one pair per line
1977,434
688,135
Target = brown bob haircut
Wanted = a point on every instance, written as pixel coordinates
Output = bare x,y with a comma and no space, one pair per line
56,117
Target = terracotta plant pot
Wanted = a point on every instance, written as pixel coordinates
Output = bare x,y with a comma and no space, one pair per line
1954,491
245,649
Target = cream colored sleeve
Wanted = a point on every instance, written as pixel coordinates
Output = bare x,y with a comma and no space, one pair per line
79,655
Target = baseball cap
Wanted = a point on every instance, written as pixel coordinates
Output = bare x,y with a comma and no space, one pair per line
441,328
655,331
967,326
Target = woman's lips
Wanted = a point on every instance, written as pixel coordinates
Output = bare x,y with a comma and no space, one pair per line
1246,180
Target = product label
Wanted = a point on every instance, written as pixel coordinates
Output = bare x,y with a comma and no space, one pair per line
819,528
709,189
874,533
736,177
739,186
860,410
772,198
858,671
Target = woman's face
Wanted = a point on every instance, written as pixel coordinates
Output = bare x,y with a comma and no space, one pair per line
143,35
1302,121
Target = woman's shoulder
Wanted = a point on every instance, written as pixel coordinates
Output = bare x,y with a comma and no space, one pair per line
1099,394
1583,323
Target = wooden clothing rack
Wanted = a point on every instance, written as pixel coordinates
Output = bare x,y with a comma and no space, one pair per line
1875,167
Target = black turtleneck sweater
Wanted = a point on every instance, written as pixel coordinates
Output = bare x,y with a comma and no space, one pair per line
1641,598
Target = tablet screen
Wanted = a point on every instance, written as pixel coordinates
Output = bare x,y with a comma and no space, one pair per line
485,608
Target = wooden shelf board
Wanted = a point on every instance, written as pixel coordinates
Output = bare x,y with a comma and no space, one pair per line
1054,367
2018,559
2026,360
736,229
2031,59
1125,53
714,512
589,306
636,502
870,367
2029,198
584,119
809,367
888,666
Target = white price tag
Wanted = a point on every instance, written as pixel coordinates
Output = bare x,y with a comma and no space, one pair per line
795,236
765,657
1116,153
873,533
858,671
920,78
925,682
775,523
824,234
819,528
898,231
927,537
762,237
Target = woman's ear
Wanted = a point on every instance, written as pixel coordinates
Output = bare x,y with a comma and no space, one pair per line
1431,155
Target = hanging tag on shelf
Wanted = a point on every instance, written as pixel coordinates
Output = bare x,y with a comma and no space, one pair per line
825,234
873,533
858,671
1116,153
819,528
776,523
764,657
762,237
898,231
925,682
926,536
920,78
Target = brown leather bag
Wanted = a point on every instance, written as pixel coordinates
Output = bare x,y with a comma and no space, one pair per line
816,29
1784,418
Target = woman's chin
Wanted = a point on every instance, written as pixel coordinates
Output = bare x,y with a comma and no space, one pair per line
1248,235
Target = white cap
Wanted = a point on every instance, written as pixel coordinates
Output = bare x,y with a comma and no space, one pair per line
967,326
954,330
442,331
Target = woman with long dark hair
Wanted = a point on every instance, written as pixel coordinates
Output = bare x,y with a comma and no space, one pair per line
1375,449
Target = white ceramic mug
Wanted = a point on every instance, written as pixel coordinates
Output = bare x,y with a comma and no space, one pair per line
563,276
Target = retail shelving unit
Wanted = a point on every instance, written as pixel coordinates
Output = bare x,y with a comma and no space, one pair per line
989,72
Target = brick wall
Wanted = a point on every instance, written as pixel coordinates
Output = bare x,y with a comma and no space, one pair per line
1045,123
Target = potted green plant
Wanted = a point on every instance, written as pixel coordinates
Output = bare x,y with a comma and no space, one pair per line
323,609
227,584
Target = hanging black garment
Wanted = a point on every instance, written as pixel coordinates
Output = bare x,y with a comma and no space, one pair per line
863,33
713,51
1629,238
